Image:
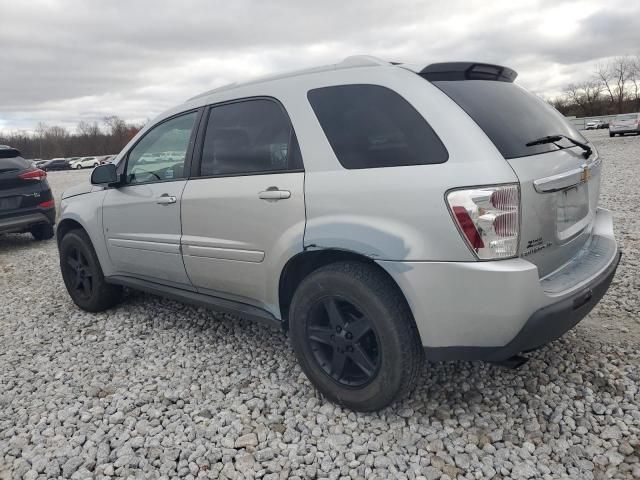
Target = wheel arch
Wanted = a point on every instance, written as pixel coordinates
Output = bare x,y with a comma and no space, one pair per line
304,263
65,226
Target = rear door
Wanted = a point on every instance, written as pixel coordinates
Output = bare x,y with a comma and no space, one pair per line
141,218
243,211
559,186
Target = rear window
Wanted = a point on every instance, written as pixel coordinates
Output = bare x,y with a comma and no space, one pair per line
632,116
13,164
509,115
369,126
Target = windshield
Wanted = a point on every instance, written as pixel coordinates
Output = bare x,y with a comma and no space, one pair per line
509,115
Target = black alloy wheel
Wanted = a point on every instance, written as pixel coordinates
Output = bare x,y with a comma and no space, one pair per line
343,342
354,335
79,271
82,274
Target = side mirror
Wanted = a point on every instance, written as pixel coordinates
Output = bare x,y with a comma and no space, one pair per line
104,175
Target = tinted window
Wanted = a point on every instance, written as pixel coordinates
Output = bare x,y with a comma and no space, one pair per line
369,126
509,115
161,153
248,137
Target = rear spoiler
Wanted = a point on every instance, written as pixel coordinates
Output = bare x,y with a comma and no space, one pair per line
467,71
9,153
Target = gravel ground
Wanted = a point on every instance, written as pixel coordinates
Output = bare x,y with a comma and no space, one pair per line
158,389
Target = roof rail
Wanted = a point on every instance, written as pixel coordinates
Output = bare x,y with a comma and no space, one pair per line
349,62
361,61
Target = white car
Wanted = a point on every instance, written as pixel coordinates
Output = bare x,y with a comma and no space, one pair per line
594,125
86,162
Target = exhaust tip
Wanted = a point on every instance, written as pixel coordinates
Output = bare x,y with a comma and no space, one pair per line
512,363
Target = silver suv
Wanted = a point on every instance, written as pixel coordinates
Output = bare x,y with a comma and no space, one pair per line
379,212
625,123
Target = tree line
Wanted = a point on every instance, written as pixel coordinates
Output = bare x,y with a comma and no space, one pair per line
613,88
88,139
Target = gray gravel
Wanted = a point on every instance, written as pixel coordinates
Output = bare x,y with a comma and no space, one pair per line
156,389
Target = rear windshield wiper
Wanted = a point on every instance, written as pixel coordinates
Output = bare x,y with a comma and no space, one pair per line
557,138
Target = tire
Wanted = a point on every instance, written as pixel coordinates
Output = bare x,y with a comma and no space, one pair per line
83,275
393,353
43,231
612,134
95,165
78,167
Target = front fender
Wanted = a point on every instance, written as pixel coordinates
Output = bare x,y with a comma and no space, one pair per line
86,210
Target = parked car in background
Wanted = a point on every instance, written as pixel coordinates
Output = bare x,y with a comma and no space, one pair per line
85,162
55,164
26,202
594,124
105,159
625,123
436,210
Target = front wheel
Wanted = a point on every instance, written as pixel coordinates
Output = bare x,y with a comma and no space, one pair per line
612,134
83,275
354,336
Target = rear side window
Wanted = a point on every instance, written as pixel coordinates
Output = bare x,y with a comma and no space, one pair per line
509,115
249,136
369,126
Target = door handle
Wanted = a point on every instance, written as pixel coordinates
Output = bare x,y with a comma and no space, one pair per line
273,193
166,199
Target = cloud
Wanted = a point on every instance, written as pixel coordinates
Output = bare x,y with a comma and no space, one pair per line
66,61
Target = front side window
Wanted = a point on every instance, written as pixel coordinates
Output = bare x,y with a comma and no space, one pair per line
161,153
369,126
250,136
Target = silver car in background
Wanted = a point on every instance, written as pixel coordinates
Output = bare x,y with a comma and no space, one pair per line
625,123
379,212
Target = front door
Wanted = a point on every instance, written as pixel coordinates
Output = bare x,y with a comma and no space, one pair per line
243,212
141,218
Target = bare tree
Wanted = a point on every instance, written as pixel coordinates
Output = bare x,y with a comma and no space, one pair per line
634,79
586,95
613,77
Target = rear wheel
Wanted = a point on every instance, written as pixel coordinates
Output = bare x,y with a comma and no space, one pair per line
612,134
43,231
83,275
354,336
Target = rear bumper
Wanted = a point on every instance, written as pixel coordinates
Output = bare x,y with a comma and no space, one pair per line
494,310
21,222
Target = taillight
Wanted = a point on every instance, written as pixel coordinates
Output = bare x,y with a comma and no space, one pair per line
47,204
488,219
35,174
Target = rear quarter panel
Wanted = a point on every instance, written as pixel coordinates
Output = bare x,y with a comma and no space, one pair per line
394,213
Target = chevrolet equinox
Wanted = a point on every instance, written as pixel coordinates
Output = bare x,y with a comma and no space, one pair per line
380,212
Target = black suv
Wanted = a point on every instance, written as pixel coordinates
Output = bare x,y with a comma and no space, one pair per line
26,202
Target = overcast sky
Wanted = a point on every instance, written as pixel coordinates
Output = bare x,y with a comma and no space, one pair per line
62,61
